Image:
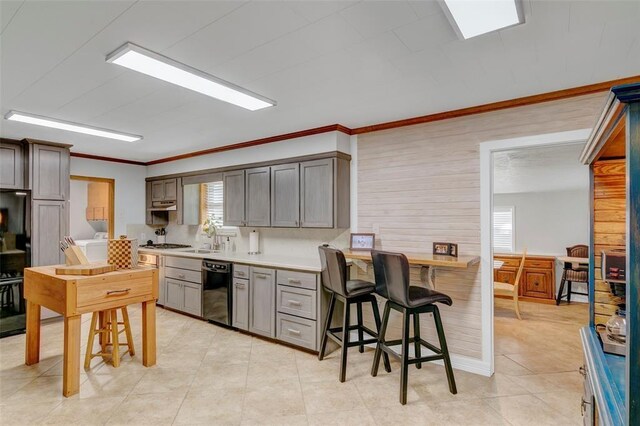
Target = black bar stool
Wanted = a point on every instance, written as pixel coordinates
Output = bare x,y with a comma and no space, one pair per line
334,280
392,278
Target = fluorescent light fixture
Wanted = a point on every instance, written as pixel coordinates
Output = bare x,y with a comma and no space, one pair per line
147,62
472,18
39,120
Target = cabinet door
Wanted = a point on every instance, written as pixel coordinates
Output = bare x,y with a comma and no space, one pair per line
192,299
537,283
316,194
50,223
174,294
50,172
257,193
157,190
240,298
154,218
505,275
262,296
170,191
11,166
234,198
285,195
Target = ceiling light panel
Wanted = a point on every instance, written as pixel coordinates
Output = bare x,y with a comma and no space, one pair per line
472,18
54,123
150,63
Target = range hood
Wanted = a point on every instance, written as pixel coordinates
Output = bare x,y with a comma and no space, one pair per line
162,206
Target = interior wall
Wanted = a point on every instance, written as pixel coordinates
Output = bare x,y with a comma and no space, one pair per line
548,222
421,184
129,188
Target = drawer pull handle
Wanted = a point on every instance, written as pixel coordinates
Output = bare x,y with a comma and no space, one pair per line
294,281
125,290
239,285
292,331
262,276
294,302
180,275
241,273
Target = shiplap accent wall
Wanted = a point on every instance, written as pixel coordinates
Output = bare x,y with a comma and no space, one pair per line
421,184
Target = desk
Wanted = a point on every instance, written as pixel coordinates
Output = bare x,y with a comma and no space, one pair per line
569,259
427,261
74,295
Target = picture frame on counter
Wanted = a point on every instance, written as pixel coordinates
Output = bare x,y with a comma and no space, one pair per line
445,249
363,242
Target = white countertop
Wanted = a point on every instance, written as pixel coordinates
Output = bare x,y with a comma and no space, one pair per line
311,264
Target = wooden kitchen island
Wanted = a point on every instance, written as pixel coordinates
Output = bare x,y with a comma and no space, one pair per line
74,295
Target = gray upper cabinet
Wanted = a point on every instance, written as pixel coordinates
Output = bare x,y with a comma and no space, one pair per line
164,190
285,195
50,223
257,192
262,302
11,165
154,218
234,198
49,172
316,194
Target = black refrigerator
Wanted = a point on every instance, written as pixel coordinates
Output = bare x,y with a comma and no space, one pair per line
15,255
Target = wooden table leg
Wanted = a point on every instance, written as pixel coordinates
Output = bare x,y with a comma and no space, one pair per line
32,350
71,360
149,333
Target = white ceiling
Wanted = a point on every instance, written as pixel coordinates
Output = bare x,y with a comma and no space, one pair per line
353,63
540,169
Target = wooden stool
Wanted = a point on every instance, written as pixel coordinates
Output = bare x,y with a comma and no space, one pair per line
108,331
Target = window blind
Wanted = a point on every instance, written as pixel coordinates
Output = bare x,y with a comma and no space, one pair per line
213,202
503,230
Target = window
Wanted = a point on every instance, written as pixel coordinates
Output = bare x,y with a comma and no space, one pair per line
212,203
503,230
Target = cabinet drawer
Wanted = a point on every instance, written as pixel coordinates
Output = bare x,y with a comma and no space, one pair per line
109,293
297,279
241,271
183,274
297,301
183,263
298,331
541,264
508,261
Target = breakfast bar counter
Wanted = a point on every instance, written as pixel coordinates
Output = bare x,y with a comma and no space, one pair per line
428,261
74,295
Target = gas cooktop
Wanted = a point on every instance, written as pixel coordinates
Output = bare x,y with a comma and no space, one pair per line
166,246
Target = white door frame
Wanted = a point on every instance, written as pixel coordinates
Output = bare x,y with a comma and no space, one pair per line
486,219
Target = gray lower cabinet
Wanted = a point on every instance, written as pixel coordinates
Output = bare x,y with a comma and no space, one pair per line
174,294
316,194
234,198
49,172
183,296
240,300
285,195
296,330
192,299
257,193
50,223
162,287
262,299
11,165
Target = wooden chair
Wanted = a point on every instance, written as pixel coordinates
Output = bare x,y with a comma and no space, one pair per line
105,324
511,290
571,274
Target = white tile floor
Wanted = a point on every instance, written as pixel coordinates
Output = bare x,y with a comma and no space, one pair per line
209,375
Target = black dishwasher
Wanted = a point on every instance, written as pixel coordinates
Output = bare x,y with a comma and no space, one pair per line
216,292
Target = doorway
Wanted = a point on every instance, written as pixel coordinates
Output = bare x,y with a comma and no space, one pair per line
92,208
487,152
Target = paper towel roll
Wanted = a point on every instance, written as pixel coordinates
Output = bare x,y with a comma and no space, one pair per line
254,242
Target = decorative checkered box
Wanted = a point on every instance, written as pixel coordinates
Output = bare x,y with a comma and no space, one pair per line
123,252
